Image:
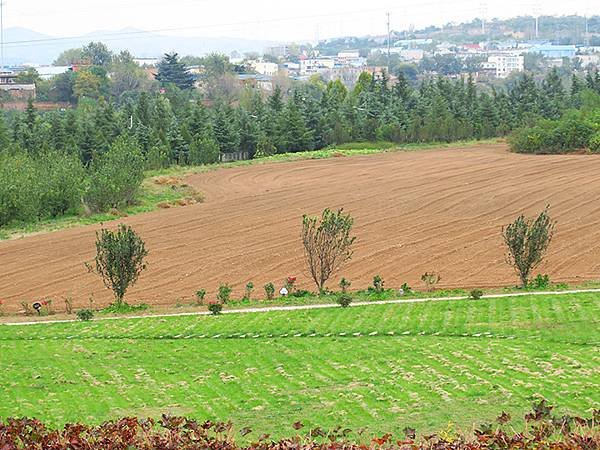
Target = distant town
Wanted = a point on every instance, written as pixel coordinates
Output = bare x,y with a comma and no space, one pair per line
489,56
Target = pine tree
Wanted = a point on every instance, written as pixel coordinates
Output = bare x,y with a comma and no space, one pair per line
294,134
179,147
172,71
225,132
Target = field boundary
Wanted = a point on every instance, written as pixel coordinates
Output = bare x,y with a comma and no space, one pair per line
267,309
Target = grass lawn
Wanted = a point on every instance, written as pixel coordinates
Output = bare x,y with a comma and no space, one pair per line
379,367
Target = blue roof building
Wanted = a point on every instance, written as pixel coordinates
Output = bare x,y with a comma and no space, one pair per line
554,51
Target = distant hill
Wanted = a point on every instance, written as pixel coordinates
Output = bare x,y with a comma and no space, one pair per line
44,49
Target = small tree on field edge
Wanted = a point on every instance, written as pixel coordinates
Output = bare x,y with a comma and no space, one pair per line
527,241
327,244
120,259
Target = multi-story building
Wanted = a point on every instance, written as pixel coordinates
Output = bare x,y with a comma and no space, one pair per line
503,64
265,68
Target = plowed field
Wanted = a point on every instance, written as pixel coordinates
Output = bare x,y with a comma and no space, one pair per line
439,210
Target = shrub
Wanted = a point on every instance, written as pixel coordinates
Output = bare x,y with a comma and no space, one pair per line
62,183
200,294
430,280
290,284
406,288
527,241
116,177
540,282
224,293
378,284
120,259
85,315
69,305
344,285
269,291
344,300
204,150
249,290
215,308
476,294
327,244
19,192
594,143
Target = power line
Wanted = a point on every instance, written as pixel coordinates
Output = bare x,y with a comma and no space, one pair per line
118,35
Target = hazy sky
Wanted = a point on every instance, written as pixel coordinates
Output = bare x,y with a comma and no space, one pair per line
273,20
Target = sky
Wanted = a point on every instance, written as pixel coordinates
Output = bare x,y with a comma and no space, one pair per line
304,20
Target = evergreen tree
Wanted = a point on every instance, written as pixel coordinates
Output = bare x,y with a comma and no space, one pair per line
172,71
179,147
225,131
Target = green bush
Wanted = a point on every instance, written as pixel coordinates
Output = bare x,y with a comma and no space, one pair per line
85,315
39,188
200,294
547,136
215,308
539,282
115,177
344,300
204,151
62,184
594,143
269,291
19,192
476,294
224,293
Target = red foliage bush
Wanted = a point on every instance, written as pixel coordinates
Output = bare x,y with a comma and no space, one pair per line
543,431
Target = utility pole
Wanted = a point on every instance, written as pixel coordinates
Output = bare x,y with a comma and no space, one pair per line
537,17
389,34
483,12
586,38
1,34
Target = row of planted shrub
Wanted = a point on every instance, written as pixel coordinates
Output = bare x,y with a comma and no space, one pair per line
542,430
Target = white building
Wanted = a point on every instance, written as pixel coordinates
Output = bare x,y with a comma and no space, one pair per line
311,66
265,68
502,64
146,62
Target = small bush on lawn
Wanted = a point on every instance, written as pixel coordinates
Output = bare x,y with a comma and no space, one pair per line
200,294
85,315
344,285
301,293
249,290
224,294
539,282
476,294
269,291
215,308
406,288
378,284
344,300
431,279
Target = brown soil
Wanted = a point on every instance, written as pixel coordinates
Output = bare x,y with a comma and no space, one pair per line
439,210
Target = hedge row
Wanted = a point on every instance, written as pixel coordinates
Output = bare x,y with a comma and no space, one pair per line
56,183
573,132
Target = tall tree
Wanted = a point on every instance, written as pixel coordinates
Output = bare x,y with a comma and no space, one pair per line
172,71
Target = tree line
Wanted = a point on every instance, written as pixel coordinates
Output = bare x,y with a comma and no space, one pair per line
94,155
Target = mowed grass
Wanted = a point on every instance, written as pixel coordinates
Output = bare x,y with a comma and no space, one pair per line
378,367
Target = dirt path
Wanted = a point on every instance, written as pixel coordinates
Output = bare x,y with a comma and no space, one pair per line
419,211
